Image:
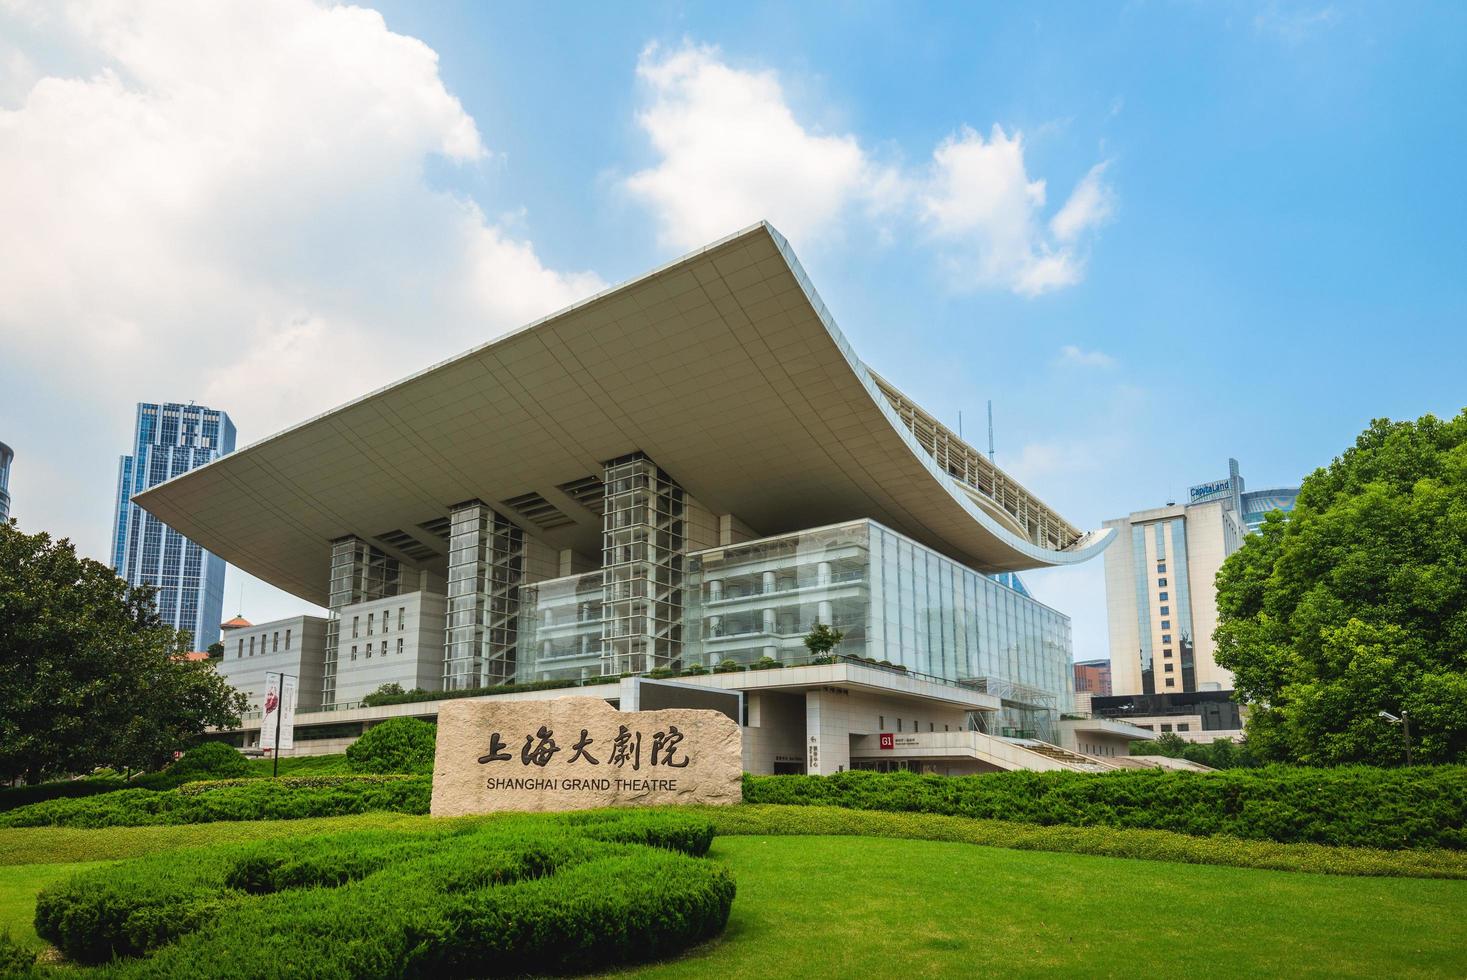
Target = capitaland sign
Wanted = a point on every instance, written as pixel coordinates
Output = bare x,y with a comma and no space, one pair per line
1210,491
577,753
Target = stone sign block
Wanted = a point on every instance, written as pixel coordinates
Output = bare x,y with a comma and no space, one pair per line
576,753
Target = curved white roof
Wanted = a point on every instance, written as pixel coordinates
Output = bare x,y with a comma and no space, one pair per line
723,367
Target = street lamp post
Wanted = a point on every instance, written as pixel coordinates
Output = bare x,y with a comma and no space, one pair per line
1405,722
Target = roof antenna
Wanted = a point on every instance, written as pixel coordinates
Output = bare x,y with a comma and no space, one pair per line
960,425
990,430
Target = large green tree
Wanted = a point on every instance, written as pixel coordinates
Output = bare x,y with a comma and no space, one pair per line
89,674
1357,604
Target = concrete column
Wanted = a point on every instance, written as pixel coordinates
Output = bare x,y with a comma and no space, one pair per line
771,652
824,611
822,573
715,590
827,738
770,621
768,582
715,625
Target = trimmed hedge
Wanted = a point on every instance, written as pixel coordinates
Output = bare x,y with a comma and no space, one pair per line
1422,806
521,894
396,745
417,694
249,799
1140,845
210,760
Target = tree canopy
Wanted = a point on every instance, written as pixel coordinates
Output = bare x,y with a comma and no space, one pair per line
89,675
1357,604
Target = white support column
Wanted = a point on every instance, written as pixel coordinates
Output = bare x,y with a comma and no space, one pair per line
769,583
770,621
822,573
824,611
715,589
827,737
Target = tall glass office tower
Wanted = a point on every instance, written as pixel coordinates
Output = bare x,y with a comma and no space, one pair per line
6,455
170,439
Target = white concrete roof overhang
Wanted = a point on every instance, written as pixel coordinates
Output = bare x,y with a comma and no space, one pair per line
723,367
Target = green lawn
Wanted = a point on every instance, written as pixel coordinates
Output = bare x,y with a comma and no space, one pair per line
847,905
842,906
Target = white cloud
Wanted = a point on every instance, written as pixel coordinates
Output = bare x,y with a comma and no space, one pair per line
1294,25
228,204
731,152
981,206
1072,355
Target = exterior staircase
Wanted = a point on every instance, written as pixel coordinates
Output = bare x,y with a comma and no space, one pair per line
1066,758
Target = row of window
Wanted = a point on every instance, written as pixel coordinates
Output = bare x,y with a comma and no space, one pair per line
356,622
916,727
274,644
368,649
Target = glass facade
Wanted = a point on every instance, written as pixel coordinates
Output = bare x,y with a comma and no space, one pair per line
643,537
486,557
895,601
359,573
170,439
5,458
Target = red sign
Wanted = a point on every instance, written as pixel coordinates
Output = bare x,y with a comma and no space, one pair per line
888,740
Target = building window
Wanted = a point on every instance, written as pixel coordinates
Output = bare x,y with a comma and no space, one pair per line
880,721
1166,652
399,645
400,611
1166,624
1184,726
1169,668
1166,638
915,726
239,651
252,646
899,724
1166,610
1165,727
1161,582
1171,682
1160,566
386,620
354,653
275,642
356,623
1164,597
384,647
287,639
370,617
931,727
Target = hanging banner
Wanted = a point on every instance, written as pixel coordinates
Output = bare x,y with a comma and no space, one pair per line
277,727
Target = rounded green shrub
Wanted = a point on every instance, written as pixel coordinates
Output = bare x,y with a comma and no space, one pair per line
210,760
541,895
400,745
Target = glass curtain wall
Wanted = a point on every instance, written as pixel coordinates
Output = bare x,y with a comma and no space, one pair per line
895,600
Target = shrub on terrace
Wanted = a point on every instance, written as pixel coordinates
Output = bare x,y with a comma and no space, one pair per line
396,745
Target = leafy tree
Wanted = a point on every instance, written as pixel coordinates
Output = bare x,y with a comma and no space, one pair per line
1223,753
822,639
88,672
383,695
1357,604
216,650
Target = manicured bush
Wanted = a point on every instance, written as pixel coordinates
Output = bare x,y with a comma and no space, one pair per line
765,663
1145,845
250,799
696,670
397,745
506,897
1423,806
729,667
210,760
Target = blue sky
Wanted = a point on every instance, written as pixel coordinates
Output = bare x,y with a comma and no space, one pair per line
1262,244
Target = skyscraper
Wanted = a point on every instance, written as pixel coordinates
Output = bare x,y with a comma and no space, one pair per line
170,439
6,455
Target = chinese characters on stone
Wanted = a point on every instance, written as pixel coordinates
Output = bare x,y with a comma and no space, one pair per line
626,749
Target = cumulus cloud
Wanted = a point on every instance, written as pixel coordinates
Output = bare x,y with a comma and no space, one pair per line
731,152
982,207
227,203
